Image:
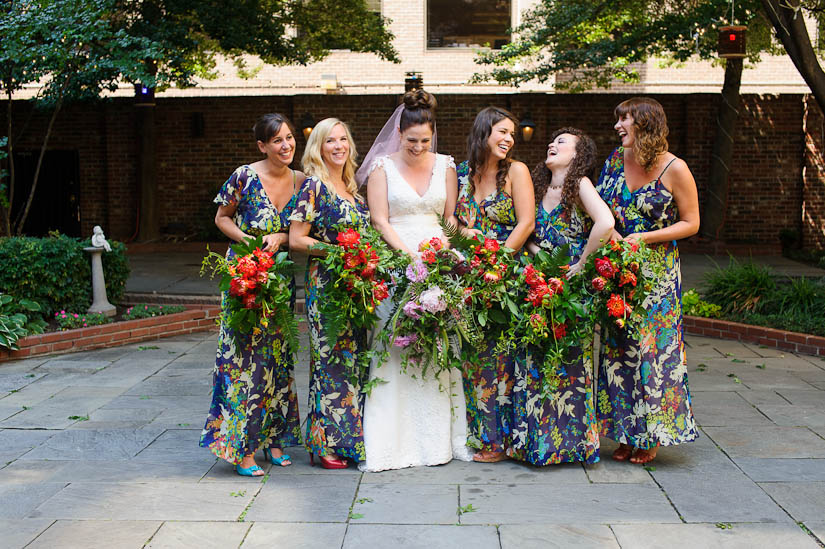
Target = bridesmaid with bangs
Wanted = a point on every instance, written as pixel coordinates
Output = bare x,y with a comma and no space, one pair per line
495,200
644,402
562,427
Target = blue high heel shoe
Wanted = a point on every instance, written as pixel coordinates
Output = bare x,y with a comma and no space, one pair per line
277,460
247,471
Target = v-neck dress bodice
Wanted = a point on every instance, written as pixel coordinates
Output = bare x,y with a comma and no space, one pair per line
415,216
254,403
409,419
494,215
643,389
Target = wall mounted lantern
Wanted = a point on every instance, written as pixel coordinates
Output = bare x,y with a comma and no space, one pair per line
413,81
306,124
144,96
527,127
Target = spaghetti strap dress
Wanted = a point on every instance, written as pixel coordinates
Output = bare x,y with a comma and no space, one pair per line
643,397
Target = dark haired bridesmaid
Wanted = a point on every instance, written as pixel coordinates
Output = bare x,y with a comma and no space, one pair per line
644,401
495,200
561,427
254,404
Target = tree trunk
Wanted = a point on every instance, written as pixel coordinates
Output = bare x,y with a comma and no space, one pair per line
713,217
149,213
787,19
10,150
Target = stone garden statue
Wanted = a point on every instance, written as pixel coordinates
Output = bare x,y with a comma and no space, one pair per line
100,303
99,240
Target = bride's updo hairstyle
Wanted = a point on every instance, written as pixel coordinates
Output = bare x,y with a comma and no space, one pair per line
419,108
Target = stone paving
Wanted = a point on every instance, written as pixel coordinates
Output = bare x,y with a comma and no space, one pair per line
99,449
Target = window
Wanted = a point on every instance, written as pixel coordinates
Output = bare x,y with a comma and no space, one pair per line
468,23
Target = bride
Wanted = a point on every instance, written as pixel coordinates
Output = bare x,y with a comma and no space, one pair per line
410,421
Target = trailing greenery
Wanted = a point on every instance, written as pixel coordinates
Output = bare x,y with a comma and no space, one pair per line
56,273
693,305
18,318
70,321
142,310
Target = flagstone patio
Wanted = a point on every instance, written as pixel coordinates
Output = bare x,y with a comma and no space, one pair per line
100,449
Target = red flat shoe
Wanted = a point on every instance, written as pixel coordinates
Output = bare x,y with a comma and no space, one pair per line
329,462
642,456
622,453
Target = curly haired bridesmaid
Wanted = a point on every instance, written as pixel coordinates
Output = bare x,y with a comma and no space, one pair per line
254,404
643,394
562,427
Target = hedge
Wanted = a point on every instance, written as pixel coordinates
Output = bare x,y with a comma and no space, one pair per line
57,273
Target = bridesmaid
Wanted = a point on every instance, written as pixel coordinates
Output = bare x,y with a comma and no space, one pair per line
643,393
254,404
326,199
563,427
495,200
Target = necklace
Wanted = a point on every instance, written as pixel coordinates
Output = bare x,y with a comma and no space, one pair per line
554,187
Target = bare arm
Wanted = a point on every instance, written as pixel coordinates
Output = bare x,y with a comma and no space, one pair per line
683,189
602,218
299,239
452,198
380,209
525,204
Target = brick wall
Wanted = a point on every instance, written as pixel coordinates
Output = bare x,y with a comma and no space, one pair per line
813,193
776,177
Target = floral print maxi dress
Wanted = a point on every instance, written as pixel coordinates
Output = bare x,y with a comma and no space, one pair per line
643,396
335,414
561,428
253,399
488,385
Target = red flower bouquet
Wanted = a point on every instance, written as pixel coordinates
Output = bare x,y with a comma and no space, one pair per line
360,268
550,315
491,283
259,297
617,285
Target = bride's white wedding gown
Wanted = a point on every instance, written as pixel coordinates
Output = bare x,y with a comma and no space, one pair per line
409,421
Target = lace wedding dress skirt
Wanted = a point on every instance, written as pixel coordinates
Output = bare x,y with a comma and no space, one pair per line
410,421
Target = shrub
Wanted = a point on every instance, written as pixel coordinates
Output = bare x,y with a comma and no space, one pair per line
791,322
739,288
18,318
693,305
56,272
70,321
800,296
142,310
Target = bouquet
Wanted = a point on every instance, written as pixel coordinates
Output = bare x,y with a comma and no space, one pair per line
491,283
615,281
259,293
550,315
361,269
431,317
